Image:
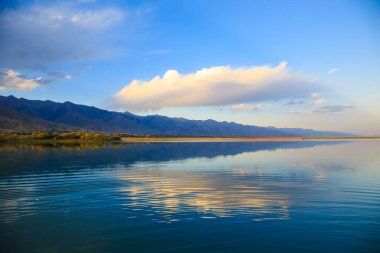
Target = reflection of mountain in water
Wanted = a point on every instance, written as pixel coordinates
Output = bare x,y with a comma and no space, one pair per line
41,158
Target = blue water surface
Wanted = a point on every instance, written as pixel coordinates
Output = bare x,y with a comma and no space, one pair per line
300,196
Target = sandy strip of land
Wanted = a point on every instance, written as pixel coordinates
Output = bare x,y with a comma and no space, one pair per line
239,139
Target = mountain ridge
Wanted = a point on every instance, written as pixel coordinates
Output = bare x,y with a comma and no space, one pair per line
20,114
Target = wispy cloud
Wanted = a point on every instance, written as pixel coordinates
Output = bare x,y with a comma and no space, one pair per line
247,107
143,11
214,86
333,70
295,102
39,37
43,34
11,79
332,108
327,109
314,94
320,101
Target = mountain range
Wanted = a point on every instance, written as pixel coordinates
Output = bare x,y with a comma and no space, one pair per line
19,114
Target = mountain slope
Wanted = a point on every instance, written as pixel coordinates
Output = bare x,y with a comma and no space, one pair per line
12,120
18,114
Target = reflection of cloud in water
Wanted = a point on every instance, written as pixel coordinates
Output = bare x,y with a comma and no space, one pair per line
324,170
209,194
253,190
248,171
13,208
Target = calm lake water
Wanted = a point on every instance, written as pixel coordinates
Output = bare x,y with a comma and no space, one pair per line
311,196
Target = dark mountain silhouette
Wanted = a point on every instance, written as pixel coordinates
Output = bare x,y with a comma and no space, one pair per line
19,114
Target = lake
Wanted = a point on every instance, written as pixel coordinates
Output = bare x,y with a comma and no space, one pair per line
300,196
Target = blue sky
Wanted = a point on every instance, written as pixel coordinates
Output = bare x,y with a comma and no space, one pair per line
311,64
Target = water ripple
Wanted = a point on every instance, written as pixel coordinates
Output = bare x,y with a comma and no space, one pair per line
207,203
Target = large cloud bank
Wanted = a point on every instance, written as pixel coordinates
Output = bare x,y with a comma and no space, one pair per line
215,86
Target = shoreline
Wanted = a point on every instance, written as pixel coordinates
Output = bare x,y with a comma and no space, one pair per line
186,139
242,139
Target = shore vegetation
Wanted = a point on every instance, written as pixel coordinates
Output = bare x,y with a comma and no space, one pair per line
79,136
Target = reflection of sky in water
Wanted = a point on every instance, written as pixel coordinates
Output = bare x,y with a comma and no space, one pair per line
260,185
334,185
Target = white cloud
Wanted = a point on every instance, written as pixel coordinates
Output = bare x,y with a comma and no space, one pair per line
100,19
320,101
314,94
214,86
333,70
11,79
249,107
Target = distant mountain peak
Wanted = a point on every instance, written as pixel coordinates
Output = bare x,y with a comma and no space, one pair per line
19,114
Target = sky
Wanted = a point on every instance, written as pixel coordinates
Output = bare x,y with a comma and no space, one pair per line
309,64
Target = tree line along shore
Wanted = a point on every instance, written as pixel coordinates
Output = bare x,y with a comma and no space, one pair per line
58,136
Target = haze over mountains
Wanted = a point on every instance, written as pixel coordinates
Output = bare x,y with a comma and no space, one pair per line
19,114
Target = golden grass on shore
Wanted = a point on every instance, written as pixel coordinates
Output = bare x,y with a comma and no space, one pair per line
221,139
